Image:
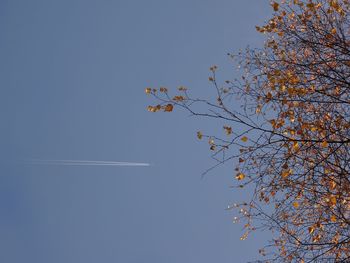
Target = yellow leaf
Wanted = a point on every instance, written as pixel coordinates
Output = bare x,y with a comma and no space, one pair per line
286,173
324,144
333,200
168,107
296,204
240,176
148,90
311,229
199,135
154,108
244,139
333,218
244,237
334,31
296,146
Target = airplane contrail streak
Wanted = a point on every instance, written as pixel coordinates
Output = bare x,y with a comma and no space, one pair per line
83,162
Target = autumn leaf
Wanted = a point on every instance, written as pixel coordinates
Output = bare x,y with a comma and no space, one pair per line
228,130
168,108
178,98
275,6
240,176
154,108
333,185
148,90
310,5
244,139
295,146
213,68
286,173
294,100
311,230
333,200
295,204
163,89
316,238
244,237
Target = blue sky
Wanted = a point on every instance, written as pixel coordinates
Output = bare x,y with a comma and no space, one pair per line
73,74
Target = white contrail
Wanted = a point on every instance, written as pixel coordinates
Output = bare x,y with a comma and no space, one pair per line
83,162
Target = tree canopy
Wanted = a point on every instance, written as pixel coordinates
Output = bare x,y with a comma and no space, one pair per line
290,137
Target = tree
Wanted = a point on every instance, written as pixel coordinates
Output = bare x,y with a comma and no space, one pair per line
290,139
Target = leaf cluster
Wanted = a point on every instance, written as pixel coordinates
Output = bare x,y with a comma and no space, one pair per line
292,144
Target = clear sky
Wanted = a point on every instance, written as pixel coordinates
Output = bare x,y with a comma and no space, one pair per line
73,74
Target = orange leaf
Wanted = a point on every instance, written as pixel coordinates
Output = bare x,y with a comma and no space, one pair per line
311,229
240,176
275,6
333,185
333,200
168,108
286,173
178,98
